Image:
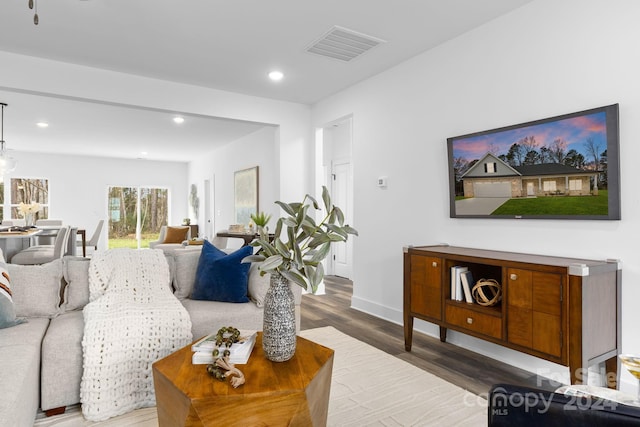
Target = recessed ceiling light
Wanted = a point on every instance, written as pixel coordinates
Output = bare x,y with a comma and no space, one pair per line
42,125
178,119
276,76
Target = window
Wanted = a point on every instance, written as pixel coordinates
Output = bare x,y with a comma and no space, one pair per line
25,190
490,167
575,184
549,186
136,215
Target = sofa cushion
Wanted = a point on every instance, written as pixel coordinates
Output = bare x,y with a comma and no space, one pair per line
209,316
176,234
76,274
20,356
221,276
62,358
184,272
258,285
7,309
36,288
184,263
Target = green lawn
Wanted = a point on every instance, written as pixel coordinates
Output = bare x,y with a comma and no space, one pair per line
556,205
130,241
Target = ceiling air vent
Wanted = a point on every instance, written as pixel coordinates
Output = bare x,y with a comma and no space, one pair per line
343,44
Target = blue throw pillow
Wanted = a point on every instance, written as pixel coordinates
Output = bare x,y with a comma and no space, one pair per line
221,276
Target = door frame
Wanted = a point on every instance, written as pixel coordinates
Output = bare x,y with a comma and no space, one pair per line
323,172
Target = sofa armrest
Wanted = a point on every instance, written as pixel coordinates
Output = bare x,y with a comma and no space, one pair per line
511,405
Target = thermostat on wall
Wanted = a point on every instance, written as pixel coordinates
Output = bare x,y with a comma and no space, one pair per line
382,181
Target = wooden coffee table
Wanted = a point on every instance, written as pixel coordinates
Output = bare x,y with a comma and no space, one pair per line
291,393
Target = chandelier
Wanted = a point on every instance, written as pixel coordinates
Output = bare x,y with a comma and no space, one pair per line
31,6
7,163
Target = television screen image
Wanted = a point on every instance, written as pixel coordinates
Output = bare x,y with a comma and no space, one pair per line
564,167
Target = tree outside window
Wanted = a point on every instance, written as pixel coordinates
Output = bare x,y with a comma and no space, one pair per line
28,190
136,215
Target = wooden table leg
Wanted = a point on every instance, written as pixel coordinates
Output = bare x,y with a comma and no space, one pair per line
83,235
443,334
408,332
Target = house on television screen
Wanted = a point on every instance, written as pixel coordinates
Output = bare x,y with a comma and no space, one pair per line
492,177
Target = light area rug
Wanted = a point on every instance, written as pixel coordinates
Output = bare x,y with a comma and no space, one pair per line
368,388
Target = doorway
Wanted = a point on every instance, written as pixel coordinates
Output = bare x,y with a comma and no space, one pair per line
136,215
209,208
530,189
334,158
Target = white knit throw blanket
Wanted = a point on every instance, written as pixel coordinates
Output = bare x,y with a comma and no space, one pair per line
133,320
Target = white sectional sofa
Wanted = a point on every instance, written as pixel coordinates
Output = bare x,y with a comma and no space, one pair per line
42,358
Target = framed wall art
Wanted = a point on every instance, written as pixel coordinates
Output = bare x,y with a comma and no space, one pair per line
245,194
563,167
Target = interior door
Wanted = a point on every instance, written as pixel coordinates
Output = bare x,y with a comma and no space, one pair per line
341,252
209,208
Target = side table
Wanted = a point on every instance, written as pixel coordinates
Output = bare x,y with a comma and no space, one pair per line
247,237
291,393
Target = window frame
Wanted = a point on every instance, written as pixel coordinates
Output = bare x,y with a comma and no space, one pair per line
8,204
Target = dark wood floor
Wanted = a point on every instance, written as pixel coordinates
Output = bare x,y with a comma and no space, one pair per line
464,368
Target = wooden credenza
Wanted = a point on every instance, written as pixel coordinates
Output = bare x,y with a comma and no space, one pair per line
564,310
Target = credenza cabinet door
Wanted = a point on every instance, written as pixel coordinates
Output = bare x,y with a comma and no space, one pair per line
426,286
534,310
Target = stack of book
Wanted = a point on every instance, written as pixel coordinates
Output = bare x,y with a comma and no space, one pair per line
240,351
461,284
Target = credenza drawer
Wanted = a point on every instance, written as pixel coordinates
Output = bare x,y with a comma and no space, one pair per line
472,320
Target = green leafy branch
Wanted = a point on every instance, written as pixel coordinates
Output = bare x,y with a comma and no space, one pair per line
260,219
299,258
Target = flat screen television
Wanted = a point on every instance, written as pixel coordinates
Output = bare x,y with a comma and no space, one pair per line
564,167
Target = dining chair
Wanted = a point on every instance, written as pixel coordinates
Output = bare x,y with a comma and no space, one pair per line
70,248
93,241
41,254
45,222
180,230
50,230
14,222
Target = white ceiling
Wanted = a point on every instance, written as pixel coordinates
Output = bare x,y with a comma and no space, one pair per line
223,44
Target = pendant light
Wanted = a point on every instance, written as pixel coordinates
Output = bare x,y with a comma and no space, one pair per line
7,163
31,6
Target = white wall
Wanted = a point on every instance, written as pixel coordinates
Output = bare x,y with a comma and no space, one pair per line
293,142
78,184
257,149
24,73
544,59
